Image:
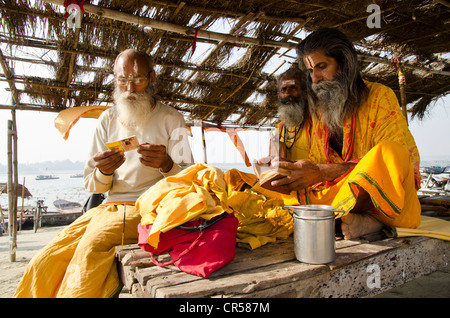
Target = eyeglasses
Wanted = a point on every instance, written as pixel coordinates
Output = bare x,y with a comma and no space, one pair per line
121,80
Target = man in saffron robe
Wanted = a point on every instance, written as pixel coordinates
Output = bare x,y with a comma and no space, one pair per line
80,261
362,158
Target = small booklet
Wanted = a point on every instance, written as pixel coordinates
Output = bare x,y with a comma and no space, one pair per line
266,174
125,144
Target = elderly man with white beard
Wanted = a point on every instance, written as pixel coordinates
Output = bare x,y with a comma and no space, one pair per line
362,157
80,261
293,132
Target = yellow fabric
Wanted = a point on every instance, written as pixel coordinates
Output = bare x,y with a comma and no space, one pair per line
389,179
429,226
261,220
67,118
379,118
297,148
388,169
80,261
197,191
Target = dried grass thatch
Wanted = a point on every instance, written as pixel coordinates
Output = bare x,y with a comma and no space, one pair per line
246,43
20,189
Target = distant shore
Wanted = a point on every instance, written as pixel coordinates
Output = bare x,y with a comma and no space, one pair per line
46,167
63,166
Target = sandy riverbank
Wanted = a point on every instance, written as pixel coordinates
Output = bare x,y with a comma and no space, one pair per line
28,244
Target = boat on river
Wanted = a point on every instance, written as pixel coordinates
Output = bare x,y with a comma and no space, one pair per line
46,177
65,206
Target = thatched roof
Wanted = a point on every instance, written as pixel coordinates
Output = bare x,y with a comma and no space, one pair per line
247,43
20,189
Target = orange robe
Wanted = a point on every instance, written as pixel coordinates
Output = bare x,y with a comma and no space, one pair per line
378,138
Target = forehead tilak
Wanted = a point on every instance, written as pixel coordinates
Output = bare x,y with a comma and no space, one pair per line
286,83
309,62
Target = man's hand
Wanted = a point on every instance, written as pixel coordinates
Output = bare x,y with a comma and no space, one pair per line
305,173
302,174
108,161
155,156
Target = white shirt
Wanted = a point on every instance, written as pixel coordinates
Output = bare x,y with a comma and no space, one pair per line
166,126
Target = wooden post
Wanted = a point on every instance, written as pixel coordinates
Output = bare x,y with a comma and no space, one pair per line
23,199
204,144
12,218
3,221
402,84
15,165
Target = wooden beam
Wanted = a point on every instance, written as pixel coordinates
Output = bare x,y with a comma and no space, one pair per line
40,108
212,53
161,33
171,27
101,53
286,38
231,14
9,78
443,2
381,60
73,57
12,194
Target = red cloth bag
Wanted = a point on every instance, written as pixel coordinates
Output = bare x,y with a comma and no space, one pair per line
195,252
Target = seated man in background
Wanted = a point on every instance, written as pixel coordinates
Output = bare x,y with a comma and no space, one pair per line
293,131
362,158
292,134
80,261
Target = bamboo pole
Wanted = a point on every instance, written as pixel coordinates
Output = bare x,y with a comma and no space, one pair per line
381,60
3,221
204,143
72,63
15,165
23,199
99,52
12,218
161,25
402,85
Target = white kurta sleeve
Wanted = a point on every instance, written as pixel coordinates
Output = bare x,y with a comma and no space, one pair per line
94,180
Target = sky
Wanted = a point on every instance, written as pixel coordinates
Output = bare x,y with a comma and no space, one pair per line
39,140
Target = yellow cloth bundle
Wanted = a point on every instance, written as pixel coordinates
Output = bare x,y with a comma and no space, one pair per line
197,191
261,219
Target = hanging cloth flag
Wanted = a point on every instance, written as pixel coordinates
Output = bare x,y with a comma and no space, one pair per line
69,2
194,44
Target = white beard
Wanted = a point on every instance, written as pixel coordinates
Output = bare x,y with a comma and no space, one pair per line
292,111
134,113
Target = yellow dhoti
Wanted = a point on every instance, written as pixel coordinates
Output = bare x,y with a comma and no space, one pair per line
80,261
386,176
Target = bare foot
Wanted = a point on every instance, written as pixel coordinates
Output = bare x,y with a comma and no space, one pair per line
355,225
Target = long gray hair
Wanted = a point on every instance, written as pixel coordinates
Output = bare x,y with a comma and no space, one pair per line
335,44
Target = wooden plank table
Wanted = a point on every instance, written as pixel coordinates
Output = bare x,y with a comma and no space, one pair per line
362,268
